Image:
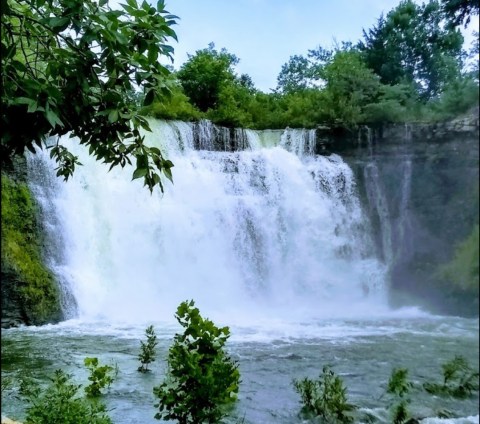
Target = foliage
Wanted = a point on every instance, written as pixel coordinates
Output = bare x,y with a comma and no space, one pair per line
411,45
147,354
21,253
71,67
459,379
463,269
325,397
59,404
350,85
204,74
395,103
295,75
399,387
100,377
301,72
458,97
202,379
175,106
232,107
460,11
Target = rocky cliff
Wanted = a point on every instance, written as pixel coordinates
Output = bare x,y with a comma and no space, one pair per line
419,184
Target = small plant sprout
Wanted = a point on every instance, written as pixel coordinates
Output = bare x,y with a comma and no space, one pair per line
147,354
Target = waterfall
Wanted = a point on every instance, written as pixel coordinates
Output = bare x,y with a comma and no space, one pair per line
394,221
269,229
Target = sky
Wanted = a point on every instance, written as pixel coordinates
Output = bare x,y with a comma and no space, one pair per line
263,34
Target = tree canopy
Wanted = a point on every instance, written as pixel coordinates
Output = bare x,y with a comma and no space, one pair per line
411,45
74,66
205,73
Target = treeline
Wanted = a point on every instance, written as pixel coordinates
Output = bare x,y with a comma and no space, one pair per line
81,68
410,66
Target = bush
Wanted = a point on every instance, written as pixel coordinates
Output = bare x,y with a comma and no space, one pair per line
325,397
59,404
459,379
201,379
99,376
147,354
399,387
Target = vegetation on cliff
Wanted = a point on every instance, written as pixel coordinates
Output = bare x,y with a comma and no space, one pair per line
462,270
21,254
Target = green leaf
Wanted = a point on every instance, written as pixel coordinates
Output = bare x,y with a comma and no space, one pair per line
32,107
139,173
160,5
10,52
113,116
149,97
168,174
53,118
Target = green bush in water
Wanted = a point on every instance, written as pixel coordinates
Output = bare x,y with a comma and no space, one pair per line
202,380
459,379
325,397
21,254
399,387
59,404
100,377
147,353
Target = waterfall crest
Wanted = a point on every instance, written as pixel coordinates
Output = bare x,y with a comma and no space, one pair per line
254,224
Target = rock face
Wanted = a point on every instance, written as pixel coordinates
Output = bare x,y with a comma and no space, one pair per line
420,187
29,291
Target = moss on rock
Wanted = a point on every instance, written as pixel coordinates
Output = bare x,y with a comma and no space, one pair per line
28,278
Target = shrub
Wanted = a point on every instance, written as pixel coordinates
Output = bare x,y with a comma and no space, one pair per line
201,379
147,354
459,379
99,376
59,404
325,397
399,387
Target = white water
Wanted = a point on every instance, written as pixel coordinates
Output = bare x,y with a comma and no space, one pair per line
259,233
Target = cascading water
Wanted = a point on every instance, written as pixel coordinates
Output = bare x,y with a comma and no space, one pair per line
269,240
263,229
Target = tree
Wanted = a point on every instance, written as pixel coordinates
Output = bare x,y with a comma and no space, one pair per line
73,66
295,75
411,45
301,73
350,85
205,73
202,379
460,11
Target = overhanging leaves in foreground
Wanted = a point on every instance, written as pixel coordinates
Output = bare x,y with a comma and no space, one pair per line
73,66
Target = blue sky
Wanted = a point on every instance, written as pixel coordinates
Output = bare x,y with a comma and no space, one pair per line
263,34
